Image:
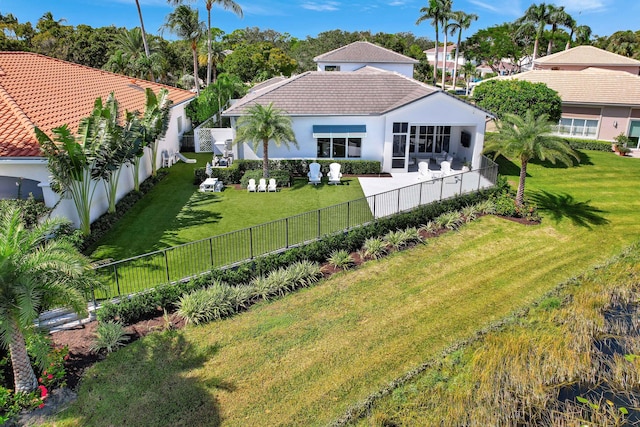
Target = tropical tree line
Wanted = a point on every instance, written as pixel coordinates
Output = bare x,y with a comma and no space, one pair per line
101,149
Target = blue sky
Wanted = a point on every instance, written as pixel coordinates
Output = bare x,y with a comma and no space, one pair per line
301,18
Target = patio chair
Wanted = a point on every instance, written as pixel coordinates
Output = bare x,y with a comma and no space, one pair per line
262,185
445,168
251,186
272,185
314,173
334,173
424,173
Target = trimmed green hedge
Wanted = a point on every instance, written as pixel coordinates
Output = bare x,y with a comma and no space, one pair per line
234,173
588,144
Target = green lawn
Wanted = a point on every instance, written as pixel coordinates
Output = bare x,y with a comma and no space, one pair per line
305,359
174,212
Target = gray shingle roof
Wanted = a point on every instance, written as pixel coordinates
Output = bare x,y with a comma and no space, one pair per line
364,52
367,92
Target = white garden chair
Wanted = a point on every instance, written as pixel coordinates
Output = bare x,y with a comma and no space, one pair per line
272,185
262,185
314,173
334,173
251,186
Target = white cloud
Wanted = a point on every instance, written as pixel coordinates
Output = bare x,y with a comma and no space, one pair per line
502,7
484,5
397,3
329,6
583,5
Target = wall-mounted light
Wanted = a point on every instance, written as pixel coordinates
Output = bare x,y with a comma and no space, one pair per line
615,124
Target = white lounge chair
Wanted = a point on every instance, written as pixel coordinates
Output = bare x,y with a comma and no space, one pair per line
445,167
272,185
424,173
334,173
262,185
314,173
251,186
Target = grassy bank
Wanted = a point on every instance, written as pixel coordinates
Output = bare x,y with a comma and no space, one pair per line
305,359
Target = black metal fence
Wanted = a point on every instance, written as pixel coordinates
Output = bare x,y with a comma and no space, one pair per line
191,259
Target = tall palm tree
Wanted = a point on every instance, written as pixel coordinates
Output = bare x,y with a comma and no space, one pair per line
536,17
557,17
185,23
527,138
461,21
583,34
469,71
225,4
436,11
38,271
262,125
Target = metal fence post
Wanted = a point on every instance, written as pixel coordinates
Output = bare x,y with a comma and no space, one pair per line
115,273
441,187
166,263
348,214
286,232
318,223
398,201
420,196
211,249
251,242
461,179
479,178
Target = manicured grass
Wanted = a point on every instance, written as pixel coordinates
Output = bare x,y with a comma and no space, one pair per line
174,212
305,359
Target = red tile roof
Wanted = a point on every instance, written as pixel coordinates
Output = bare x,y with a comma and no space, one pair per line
36,90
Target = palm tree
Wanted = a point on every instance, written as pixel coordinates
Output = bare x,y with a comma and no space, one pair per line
185,23
38,272
469,71
583,34
436,11
264,124
527,138
461,21
71,164
154,123
557,16
537,17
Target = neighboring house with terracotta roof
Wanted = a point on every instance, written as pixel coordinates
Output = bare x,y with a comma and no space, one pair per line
600,92
368,114
39,91
360,54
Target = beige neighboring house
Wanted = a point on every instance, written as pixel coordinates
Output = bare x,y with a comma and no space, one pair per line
600,92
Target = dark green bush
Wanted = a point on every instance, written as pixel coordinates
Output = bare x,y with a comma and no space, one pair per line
588,144
230,175
32,210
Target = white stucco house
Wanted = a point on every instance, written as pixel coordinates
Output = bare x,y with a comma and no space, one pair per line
368,113
39,91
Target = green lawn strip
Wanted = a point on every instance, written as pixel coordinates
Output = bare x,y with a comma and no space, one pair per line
306,358
174,212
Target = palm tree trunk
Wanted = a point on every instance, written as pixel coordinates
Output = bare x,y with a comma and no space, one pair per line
523,176
265,158
435,62
455,61
194,50
208,46
535,49
444,61
568,46
144,34
24,378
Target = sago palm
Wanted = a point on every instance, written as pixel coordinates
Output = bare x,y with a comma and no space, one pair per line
37,272
262,125
528,138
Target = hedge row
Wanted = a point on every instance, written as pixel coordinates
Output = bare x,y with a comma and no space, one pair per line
152,302
283,178
234,173
589,144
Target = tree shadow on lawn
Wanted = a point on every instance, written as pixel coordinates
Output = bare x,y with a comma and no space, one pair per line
300,183
194,214
585,160
560,206
152,382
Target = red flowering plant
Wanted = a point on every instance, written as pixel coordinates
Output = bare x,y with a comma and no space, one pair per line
54,374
